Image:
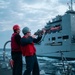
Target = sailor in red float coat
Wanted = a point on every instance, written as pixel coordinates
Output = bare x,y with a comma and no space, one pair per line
29,51
16,51
27,45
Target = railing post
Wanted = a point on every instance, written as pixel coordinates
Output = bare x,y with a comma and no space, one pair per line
4,65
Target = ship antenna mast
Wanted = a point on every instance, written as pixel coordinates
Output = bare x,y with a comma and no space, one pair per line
71,5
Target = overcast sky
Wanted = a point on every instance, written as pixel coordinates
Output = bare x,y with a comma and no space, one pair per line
32,13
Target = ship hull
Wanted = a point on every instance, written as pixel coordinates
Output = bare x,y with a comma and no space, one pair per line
67,52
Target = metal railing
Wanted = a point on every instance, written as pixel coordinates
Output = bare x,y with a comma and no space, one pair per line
5,64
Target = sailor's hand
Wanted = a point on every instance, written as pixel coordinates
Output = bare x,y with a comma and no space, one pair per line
33,36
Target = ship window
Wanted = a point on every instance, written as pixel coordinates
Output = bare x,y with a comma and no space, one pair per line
57,25
53,38
48,39
56,43
60,43
66,37
59,37
73,39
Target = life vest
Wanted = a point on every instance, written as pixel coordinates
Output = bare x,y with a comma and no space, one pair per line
28,50
14,45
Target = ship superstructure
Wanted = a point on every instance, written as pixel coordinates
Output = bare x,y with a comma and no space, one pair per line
59,37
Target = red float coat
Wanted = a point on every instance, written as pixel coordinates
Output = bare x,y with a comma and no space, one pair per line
14,46
28,49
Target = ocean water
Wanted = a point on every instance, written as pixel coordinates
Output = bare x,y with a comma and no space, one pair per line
48,66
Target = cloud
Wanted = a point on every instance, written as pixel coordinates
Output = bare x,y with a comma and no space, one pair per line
32,13
3,4
5,25
29,13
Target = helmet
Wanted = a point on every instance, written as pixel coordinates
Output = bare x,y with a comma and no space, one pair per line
25,30
16,27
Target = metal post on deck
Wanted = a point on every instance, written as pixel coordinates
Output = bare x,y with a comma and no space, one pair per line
4,65
4,49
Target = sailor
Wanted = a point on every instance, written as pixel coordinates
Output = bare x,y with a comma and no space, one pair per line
16,51
29,51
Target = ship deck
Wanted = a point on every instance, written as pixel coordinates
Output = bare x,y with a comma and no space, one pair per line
47,66
5,71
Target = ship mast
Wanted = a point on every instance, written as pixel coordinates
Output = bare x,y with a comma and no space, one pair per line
71,5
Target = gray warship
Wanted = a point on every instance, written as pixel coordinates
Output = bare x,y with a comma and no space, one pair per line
59,37
57,42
